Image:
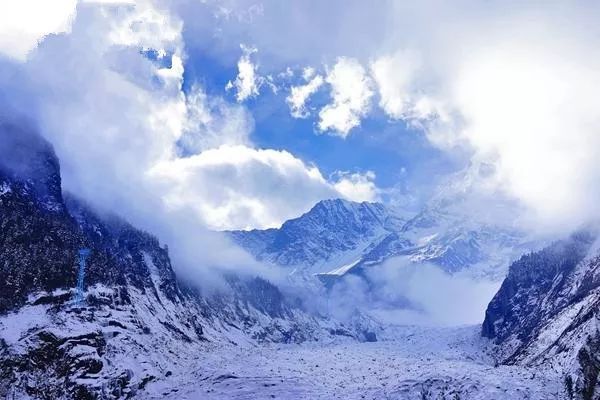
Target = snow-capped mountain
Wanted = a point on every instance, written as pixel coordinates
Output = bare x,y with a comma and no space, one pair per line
140,332
337,237
547,313
136,320
330,237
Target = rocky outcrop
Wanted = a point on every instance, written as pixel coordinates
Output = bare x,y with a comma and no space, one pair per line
547,313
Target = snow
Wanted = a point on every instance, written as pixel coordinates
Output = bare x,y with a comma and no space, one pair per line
13,325
154,274
5,188
342,258
343,269
414,361
556,327
426,239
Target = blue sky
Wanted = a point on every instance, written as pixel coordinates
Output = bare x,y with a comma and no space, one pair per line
400,96
400,156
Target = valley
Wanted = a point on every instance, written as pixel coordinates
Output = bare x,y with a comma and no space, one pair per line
410,363
133,328
309,200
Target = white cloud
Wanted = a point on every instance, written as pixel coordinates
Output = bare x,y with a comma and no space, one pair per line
395,78
131,140
530,107
148,27
300,94
211,122
308,73
24,23
400,93
350,97
247,83
520,99
104,96
239,187
286,74
357,187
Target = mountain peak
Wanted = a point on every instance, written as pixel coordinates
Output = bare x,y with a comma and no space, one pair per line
337,203
339,215
330,228
28,158
340,210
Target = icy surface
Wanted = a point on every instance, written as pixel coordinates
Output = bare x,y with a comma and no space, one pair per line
413,363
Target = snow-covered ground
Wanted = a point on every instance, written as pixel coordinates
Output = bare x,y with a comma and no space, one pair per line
412,363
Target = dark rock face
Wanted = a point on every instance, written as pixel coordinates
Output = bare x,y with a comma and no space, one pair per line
547,312
40,233
38,249
32,212
532,279
130,249
260,295
64,353
27,157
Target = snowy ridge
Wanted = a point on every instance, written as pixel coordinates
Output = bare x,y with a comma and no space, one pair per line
338,237
331,230
547,314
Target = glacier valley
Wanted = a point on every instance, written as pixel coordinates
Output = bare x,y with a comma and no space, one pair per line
346,321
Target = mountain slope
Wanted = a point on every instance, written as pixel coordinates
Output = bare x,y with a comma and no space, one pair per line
330,235
337,237
137,320
50,347
547,313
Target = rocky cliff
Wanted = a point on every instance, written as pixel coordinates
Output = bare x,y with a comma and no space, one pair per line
547,313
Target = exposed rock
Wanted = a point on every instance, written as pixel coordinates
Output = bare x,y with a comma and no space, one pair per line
547,311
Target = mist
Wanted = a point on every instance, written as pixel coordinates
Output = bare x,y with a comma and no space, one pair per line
402,292
95,102
127,137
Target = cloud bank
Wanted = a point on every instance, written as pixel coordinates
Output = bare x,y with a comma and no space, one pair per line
109,95
24,23
518,90
405,293
513,85
240,187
